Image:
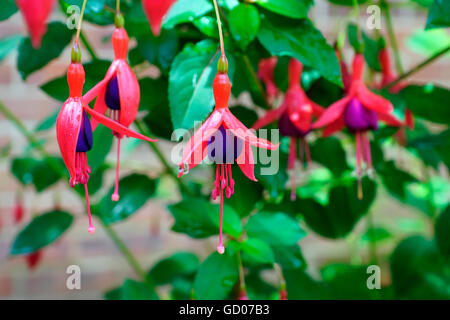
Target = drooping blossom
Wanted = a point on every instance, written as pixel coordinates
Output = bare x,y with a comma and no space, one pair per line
224,140
155,10
294,116
118,94
33,259
359,110
388,75
35,13
266,68
74,131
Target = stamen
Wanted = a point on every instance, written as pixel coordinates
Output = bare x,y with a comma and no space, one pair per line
115,196
307,152
368,153
230,175
220,247
227,189
216,189
358,164
91,228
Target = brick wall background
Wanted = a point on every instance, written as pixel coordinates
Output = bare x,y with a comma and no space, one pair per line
148,232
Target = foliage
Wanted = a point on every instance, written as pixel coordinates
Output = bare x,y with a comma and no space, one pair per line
262,225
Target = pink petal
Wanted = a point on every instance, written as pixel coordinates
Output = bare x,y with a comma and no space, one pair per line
332,113
246,162
269,117
373,101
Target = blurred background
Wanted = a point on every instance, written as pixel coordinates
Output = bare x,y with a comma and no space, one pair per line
148,233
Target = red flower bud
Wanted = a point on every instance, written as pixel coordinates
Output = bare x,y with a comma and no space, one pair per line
33,259
155,10
35,13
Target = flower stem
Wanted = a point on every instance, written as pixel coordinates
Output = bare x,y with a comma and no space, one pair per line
79,21
219,25
61,171
357,18
125,251
117,6
418,67
393,39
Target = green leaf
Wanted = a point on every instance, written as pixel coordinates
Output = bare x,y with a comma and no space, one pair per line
37,172
95,71
53,44
432,145
103,140
207,25
216,277
41,231
155,100
183,11
300,40
8,9
8,44
439,15
289,8
256,251
442,235
181,264
135,190
199,218
420,98
429,42
419,271
289,257
244,24
342,212
160,50
348,3
375,235
300,286
190,83
48,122
321,150
135,290
262,226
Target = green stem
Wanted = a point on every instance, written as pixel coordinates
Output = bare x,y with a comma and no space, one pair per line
418,67
393,39
154,146
61,171
88,46
357,18
125,251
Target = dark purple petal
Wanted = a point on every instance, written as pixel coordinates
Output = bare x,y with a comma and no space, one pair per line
85,140
358,118
226,149
288,129
112,98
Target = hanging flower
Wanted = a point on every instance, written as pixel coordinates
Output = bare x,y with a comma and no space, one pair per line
224,139
118,94
266,68
35,13
388,75
74,131
359,111
33,259
294,117
155,10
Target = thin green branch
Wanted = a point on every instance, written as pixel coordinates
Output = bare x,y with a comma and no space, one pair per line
418,67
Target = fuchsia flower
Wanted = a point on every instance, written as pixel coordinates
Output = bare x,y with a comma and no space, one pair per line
118,93
155,10
266,68
359,111
74,131
35,13
224,139
294,117
33,259
388,76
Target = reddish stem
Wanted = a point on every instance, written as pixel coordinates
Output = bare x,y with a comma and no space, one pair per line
115,196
